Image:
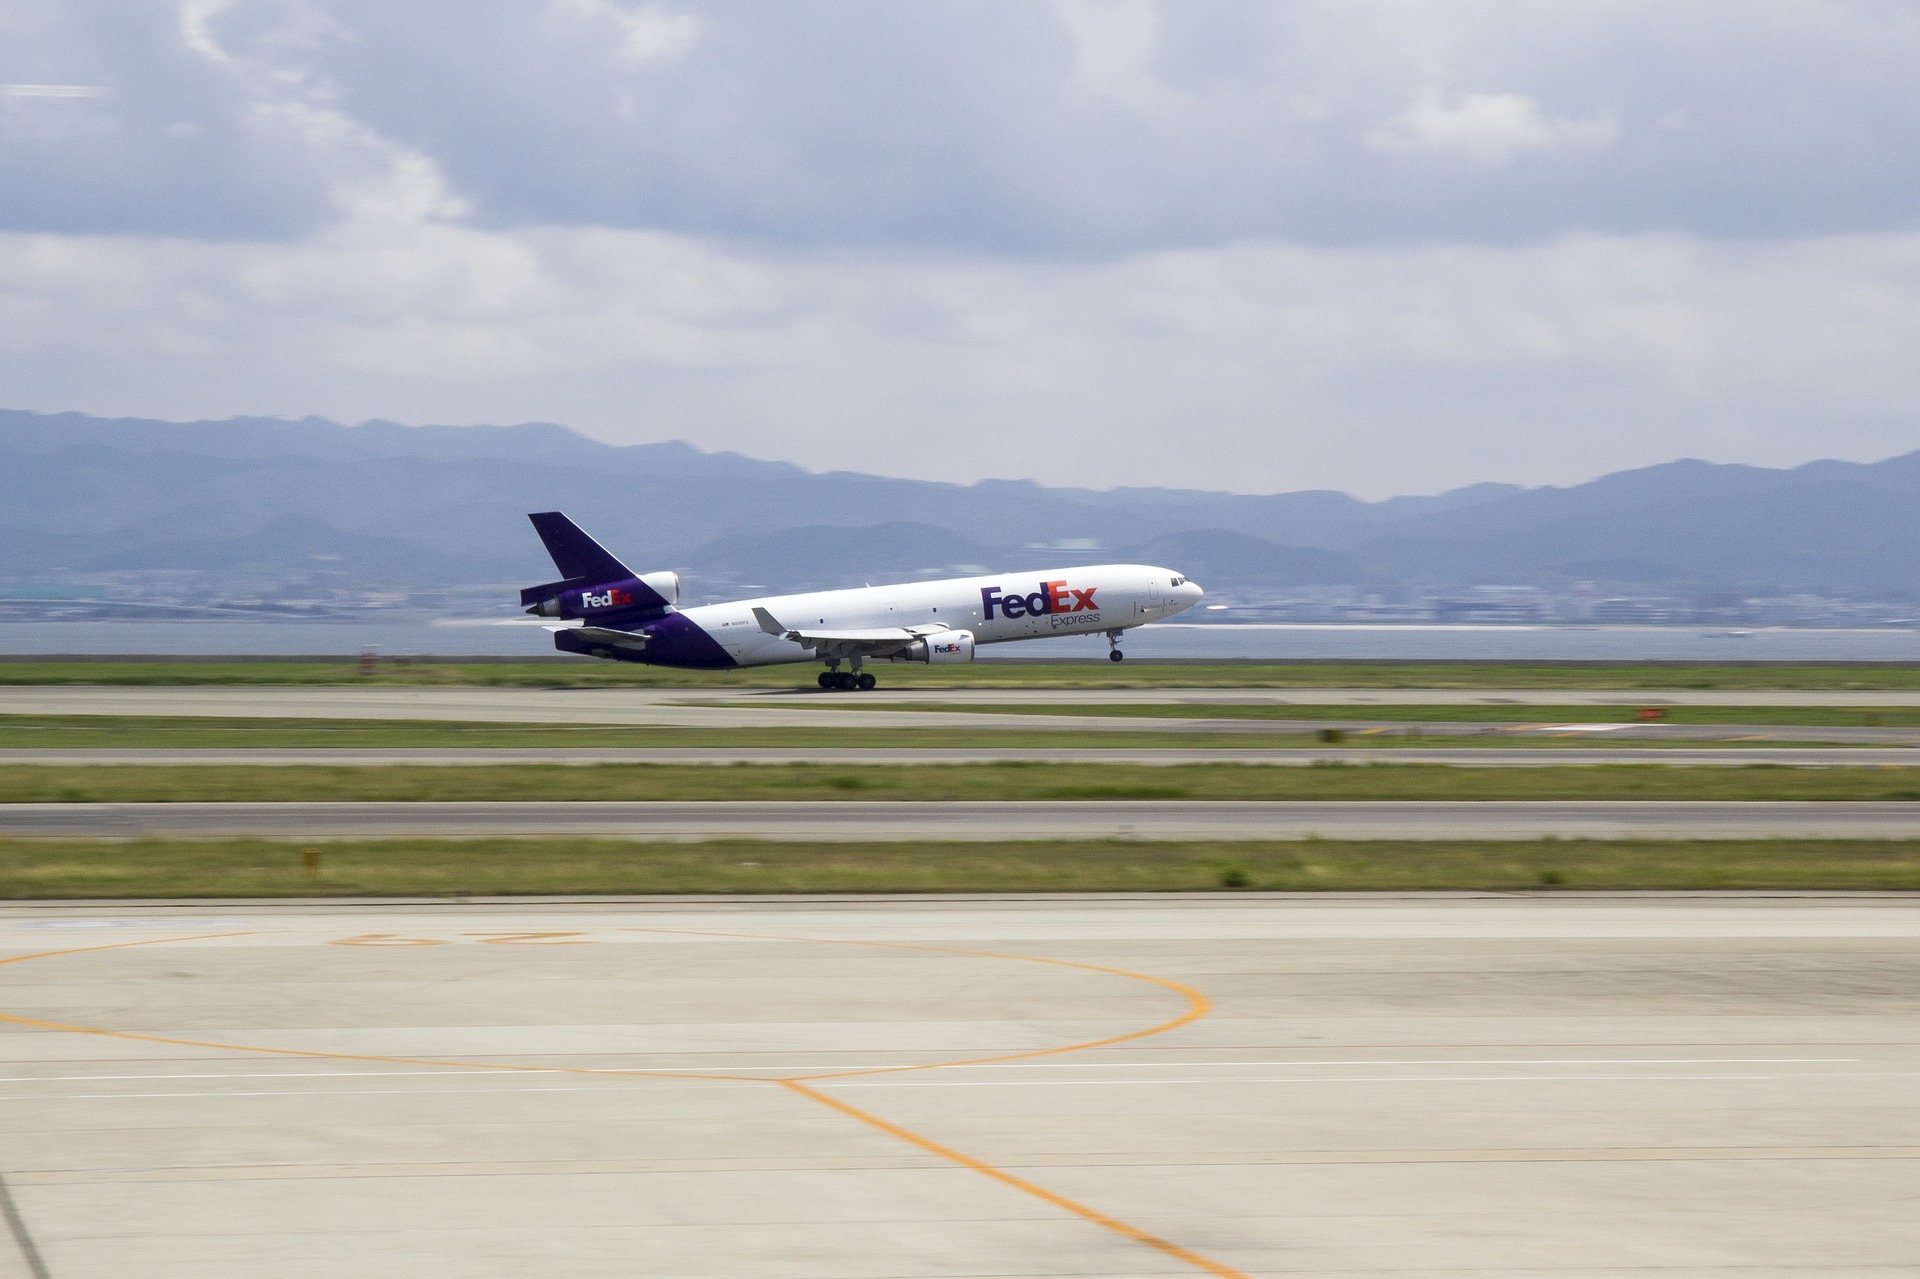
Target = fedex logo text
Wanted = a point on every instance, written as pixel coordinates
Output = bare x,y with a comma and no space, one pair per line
1052,597
609,598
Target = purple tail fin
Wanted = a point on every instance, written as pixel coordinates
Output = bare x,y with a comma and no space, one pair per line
577,556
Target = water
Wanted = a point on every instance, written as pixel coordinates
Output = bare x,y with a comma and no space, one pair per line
489,637
1531,643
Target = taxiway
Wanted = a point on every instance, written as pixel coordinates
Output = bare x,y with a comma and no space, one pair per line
1586,1087
721,708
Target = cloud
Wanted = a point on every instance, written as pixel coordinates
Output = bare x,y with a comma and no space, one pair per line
166,141
1488,129
1097,242
646,33
1078,128
1251,367
49,90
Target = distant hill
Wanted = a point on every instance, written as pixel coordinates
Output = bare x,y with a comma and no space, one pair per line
418,506
882,552
1224,555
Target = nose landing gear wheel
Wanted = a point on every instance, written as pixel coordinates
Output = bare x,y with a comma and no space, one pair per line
1116,655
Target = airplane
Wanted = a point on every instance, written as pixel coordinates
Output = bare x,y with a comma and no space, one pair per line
633,617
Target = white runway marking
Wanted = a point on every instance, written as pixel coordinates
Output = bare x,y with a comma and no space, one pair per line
1038,1065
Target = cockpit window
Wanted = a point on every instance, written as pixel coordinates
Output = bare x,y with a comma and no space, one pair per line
1179,581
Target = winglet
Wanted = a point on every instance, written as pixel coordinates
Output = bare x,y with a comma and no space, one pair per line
767,623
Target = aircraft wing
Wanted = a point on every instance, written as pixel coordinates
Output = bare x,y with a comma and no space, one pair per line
609,638
846,643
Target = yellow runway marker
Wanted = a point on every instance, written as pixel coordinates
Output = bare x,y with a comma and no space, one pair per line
1021,1184
1197,1007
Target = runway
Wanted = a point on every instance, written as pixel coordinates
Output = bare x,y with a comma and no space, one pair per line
475,701
1462,756
1587,1087
328,701
869,821
738,709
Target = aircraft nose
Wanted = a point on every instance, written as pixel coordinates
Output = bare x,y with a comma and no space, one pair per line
1190,592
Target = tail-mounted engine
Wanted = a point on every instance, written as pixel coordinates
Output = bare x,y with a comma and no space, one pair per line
571,599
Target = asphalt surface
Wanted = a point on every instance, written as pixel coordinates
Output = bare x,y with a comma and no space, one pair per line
1355,697
885,821
334,699
1487,1088
723,709
1465,756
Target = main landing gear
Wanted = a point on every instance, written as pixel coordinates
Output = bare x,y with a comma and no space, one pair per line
835,680
1113,645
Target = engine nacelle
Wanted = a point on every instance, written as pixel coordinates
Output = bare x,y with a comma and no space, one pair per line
942,649
664,584
648,592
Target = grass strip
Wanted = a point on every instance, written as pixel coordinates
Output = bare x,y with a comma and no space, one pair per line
1005,780
167,732
1093,673
38,869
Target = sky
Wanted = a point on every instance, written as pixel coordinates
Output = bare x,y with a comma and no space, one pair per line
1384,246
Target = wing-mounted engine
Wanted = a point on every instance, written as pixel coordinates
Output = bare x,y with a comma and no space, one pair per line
939,650
927,643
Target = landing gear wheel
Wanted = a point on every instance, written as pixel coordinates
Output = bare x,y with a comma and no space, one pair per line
826,679
1116,655
867,682
845,681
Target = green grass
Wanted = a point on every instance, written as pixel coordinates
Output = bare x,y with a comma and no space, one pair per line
39,869
167,732
1475,713
1090,673
54,783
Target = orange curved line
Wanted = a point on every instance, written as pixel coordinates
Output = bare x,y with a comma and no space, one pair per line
374,1057
314,1053
122,945
1198,1005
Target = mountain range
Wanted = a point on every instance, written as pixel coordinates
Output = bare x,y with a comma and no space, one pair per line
387,505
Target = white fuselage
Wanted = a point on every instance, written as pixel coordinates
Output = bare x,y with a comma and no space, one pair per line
1090,599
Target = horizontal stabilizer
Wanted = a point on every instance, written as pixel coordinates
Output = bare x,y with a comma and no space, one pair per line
604,637
547,590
